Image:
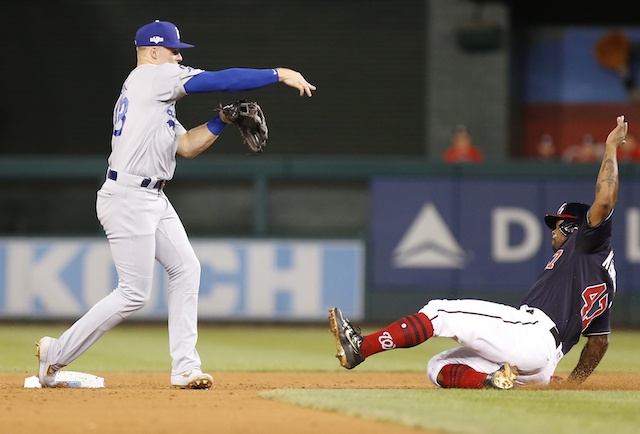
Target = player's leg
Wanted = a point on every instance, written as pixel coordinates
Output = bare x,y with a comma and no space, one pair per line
175,253
450,316
353,347
135,273
462,368
133,253
496,332
406,332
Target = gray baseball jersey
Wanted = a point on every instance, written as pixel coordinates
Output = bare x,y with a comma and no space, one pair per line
147,145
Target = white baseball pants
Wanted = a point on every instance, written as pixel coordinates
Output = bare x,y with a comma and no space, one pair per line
492,334
142,226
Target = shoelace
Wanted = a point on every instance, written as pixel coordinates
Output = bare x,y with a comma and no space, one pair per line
352,333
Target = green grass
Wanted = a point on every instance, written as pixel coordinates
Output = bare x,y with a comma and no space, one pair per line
481,411
257,347
143,347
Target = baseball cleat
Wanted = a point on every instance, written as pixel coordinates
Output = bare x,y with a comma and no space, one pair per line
46,371
348,339
503,378
193,379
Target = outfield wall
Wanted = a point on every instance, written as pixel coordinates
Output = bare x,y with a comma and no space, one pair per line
415,230
53,278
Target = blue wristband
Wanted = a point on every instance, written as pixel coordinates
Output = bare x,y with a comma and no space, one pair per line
216,125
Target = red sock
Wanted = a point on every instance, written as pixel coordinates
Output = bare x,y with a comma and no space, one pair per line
404,333
461,377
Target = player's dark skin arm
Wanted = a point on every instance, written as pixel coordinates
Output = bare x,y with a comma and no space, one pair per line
607,182
590,357
605,199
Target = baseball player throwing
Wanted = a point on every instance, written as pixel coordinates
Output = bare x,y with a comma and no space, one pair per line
138,218
502,345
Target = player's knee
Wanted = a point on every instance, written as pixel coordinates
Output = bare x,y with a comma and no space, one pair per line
194,267
434,367
138,301
431,308
186,275
137,295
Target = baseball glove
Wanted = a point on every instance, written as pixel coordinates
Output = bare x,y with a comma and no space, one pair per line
250,120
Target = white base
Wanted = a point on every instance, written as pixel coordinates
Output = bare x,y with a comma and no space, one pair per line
68,379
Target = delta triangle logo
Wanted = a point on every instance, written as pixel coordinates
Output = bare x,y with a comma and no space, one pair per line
428,243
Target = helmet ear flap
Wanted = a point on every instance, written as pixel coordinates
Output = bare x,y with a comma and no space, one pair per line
567,227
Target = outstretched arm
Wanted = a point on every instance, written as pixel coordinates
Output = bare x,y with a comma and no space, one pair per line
607,182
590,356
241,79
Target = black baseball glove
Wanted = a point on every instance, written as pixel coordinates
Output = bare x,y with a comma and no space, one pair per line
250,120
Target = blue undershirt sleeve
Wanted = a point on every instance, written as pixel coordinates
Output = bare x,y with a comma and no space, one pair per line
231,80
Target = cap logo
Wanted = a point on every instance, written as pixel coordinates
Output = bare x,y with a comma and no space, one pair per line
177,33
156,39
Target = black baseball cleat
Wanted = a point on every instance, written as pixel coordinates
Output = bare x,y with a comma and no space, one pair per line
348,339
503,378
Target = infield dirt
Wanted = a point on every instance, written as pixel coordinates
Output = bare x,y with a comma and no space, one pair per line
143,403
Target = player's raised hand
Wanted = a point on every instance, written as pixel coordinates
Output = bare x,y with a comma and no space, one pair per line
295,79
617,136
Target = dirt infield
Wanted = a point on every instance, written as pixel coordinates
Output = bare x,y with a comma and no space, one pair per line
144,403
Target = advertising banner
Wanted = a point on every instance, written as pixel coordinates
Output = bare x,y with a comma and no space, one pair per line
257,280
482,234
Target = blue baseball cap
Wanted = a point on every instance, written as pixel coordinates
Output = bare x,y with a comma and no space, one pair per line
159,34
